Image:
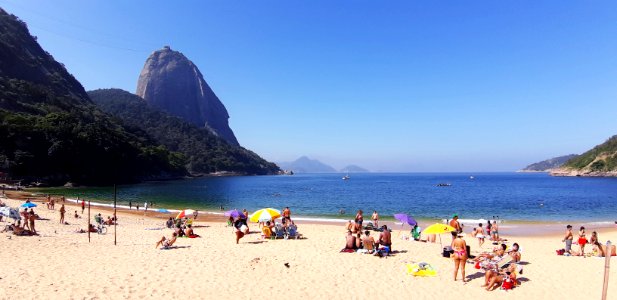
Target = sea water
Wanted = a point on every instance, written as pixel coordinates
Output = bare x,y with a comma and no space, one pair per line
534,197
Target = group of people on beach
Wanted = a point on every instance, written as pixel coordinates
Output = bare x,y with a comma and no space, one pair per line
355,240
597,249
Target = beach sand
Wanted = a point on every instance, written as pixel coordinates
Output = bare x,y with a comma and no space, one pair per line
62,264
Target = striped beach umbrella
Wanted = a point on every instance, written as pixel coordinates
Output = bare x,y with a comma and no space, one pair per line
187,213
265,214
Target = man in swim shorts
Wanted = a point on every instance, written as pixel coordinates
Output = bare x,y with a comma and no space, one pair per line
568,239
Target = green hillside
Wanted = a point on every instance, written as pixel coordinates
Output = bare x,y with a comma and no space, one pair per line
602,158
52,132
204,151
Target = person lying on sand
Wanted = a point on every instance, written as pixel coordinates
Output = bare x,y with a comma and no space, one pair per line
166,243
599,250
20,231
494,280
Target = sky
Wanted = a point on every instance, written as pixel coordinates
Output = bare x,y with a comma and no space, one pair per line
393,86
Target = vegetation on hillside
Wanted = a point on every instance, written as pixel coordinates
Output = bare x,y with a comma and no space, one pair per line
204,151
602,158
52,132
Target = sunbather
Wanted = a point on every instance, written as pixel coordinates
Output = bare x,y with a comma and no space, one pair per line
166,243
515,253
266,232
496,279
190,233
600,250
369,242
350,241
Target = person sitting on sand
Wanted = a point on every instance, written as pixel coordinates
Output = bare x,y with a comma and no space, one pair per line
179,232
369,242
594,238
359,241
98,219
109,221
266,231
515,253
350,241
190,233
385,238
600,250
77,216
167,243
349,226
496,279
170,223
356,228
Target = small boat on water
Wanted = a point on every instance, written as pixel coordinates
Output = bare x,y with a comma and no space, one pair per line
444,184
346,177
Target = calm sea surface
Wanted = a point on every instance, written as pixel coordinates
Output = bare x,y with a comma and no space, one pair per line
511,196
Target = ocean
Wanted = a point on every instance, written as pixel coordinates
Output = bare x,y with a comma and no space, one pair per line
512,197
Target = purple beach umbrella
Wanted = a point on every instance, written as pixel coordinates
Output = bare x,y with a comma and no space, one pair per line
234,214
405,219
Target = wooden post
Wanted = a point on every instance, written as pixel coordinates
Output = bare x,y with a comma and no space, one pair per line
115,218
607,265
88,222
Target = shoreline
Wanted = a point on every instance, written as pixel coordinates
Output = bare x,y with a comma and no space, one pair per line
514,228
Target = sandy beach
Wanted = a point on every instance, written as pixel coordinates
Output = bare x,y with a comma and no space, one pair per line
62,264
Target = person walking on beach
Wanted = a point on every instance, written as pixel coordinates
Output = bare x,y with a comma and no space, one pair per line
146,206
375,218
568,239
479,233
62,211
83,206
130,204
460,254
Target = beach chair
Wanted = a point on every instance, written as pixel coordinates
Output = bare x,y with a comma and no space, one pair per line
292,233
279,232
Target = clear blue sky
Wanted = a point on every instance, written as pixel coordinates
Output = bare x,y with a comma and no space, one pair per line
388,85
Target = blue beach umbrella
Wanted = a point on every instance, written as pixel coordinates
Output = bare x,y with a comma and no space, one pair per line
28,205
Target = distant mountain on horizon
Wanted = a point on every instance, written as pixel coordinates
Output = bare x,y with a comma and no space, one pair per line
306,165
354,169
549,164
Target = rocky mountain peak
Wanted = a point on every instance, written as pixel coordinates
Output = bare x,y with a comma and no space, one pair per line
173,83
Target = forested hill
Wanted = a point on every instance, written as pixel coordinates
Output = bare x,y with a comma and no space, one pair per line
599,161
52,132
204,151
549,164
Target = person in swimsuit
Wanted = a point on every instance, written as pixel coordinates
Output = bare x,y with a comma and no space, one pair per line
460,254
455,223
479,232
514,253
568,239
594,238
350,241
359,218
495,231
369,242
286,214
582,240
62,211
385,238
375,218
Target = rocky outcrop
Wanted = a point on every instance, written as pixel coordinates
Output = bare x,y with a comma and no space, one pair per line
600,161
171,82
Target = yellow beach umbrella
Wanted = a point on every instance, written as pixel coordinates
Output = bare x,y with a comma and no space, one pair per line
265,214
438,228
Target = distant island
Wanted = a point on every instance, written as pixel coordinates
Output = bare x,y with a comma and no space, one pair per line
549,164
354,169
601,161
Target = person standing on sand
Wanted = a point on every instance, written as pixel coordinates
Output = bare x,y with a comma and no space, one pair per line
495,231
31,218
146,206
582,240
83,206
130,204
137,206
455,223
286,214
568,239
237,225
479,233
195,215
375,218
359,218
62,211
460,254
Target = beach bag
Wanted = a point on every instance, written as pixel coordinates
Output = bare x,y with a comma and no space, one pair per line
507,284
561,251
447,251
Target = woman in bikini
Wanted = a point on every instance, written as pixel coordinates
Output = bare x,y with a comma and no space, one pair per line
582,240
460,254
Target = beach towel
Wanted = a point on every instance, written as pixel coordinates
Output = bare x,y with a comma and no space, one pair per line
345,250
421,269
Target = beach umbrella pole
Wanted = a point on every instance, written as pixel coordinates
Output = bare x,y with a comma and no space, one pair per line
607,266
115,218
88,221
